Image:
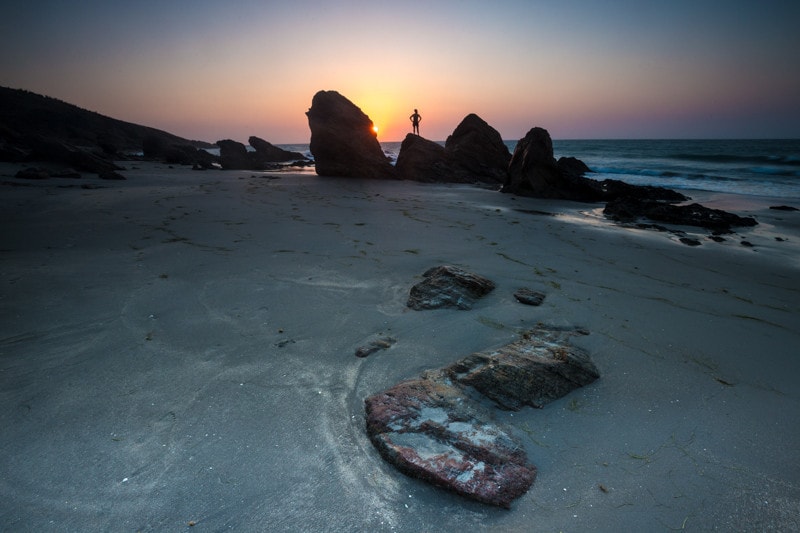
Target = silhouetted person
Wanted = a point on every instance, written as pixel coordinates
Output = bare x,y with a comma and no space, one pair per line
416,118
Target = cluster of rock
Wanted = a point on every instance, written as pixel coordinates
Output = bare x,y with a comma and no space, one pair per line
234,155
436,427
343,143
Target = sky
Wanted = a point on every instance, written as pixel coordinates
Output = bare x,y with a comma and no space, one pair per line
582,69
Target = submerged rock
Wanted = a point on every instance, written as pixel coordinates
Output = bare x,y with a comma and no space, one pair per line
343,141
434,428
448,286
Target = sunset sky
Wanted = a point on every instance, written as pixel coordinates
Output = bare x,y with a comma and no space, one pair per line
581,69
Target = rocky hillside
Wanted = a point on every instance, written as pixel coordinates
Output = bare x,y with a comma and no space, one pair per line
28,119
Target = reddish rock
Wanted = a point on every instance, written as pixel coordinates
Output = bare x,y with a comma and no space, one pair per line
428,430
434,427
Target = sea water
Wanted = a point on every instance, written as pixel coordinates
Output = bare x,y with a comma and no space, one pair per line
749,167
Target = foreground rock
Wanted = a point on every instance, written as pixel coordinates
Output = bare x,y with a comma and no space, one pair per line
474,153
629,209
433,427
427,429
448,286
343,141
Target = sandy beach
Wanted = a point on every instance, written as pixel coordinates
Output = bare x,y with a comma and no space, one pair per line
177,350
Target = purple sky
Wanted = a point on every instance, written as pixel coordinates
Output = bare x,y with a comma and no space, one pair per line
581,69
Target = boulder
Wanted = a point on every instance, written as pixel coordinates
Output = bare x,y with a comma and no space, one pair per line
448,286
628,209
423,160
343,141
233,155
437,427
533,171
269,153
478,151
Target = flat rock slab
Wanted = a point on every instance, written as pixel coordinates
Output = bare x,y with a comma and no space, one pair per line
428,430
534,371
434,428
448,286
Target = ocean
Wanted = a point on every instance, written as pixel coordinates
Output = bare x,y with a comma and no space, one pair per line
748,167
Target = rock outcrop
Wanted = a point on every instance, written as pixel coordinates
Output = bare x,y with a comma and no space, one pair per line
343,141
434,428
534,171
474,153
39,128
448,286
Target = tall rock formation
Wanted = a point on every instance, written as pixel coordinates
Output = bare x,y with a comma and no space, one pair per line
479,150
343,141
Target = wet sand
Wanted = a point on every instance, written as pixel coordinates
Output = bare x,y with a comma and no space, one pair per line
178,349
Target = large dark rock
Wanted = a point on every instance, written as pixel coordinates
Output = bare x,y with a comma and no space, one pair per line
343,141
448,286
533,171
434,428
429,430
627,209
478,151
266,152
233,155
424,160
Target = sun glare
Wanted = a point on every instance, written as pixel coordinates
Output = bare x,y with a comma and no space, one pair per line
375,129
